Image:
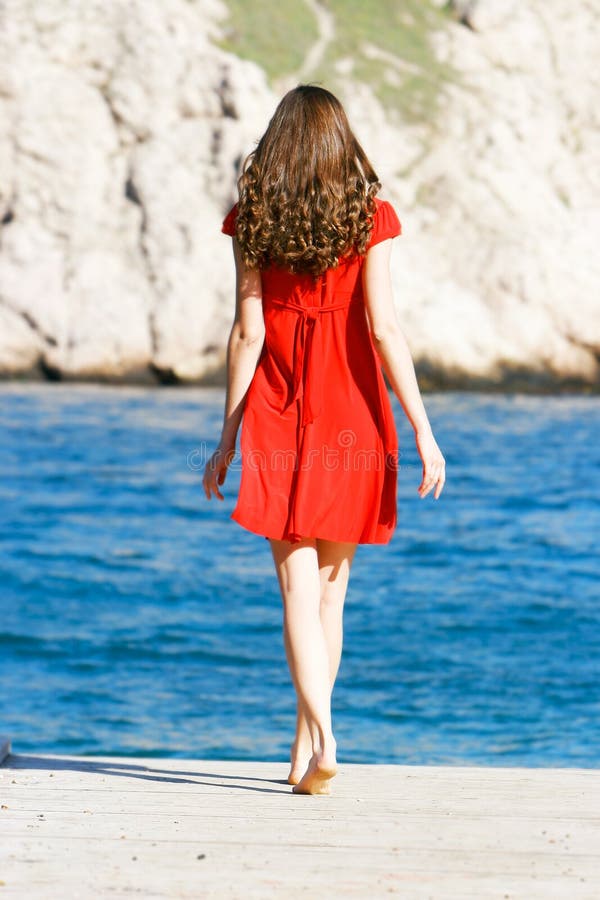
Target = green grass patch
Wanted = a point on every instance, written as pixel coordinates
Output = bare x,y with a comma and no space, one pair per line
276,35
388,43
403,70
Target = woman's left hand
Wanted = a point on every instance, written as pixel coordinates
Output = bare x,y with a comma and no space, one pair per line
216,470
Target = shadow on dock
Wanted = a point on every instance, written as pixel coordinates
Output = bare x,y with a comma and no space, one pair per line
133,770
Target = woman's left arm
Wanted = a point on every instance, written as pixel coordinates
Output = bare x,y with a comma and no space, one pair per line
244,347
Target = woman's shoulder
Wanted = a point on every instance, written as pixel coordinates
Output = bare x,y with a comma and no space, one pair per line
228,226
386,223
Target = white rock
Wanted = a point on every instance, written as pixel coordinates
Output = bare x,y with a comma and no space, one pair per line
20,346
122,129
108,320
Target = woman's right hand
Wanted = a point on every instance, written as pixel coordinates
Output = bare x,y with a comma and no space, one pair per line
434,464
215,470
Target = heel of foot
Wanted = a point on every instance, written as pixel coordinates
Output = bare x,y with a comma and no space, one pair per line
327,772
316,780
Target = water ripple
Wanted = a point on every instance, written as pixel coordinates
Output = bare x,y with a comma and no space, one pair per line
138,619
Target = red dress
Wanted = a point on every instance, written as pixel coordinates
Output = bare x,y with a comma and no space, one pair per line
318,441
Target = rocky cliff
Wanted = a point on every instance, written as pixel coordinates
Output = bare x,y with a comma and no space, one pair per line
122,126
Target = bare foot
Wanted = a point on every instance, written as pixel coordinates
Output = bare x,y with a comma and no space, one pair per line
321,769
300,758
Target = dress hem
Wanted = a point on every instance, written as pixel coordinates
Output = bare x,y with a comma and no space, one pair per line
255,529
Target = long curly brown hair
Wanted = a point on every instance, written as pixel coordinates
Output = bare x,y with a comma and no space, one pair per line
306,193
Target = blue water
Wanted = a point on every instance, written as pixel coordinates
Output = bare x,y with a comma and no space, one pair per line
138,619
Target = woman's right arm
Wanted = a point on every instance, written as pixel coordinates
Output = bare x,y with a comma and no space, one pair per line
244,348
393,350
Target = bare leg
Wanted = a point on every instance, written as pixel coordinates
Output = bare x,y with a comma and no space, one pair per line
306,647
334,561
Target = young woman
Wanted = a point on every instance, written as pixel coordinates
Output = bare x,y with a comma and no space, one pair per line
314,325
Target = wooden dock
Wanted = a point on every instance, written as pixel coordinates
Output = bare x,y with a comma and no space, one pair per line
79,827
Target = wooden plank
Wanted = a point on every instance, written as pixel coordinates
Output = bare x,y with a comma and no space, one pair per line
83,827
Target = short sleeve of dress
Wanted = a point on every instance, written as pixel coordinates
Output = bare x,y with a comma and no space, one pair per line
228,226
386,223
